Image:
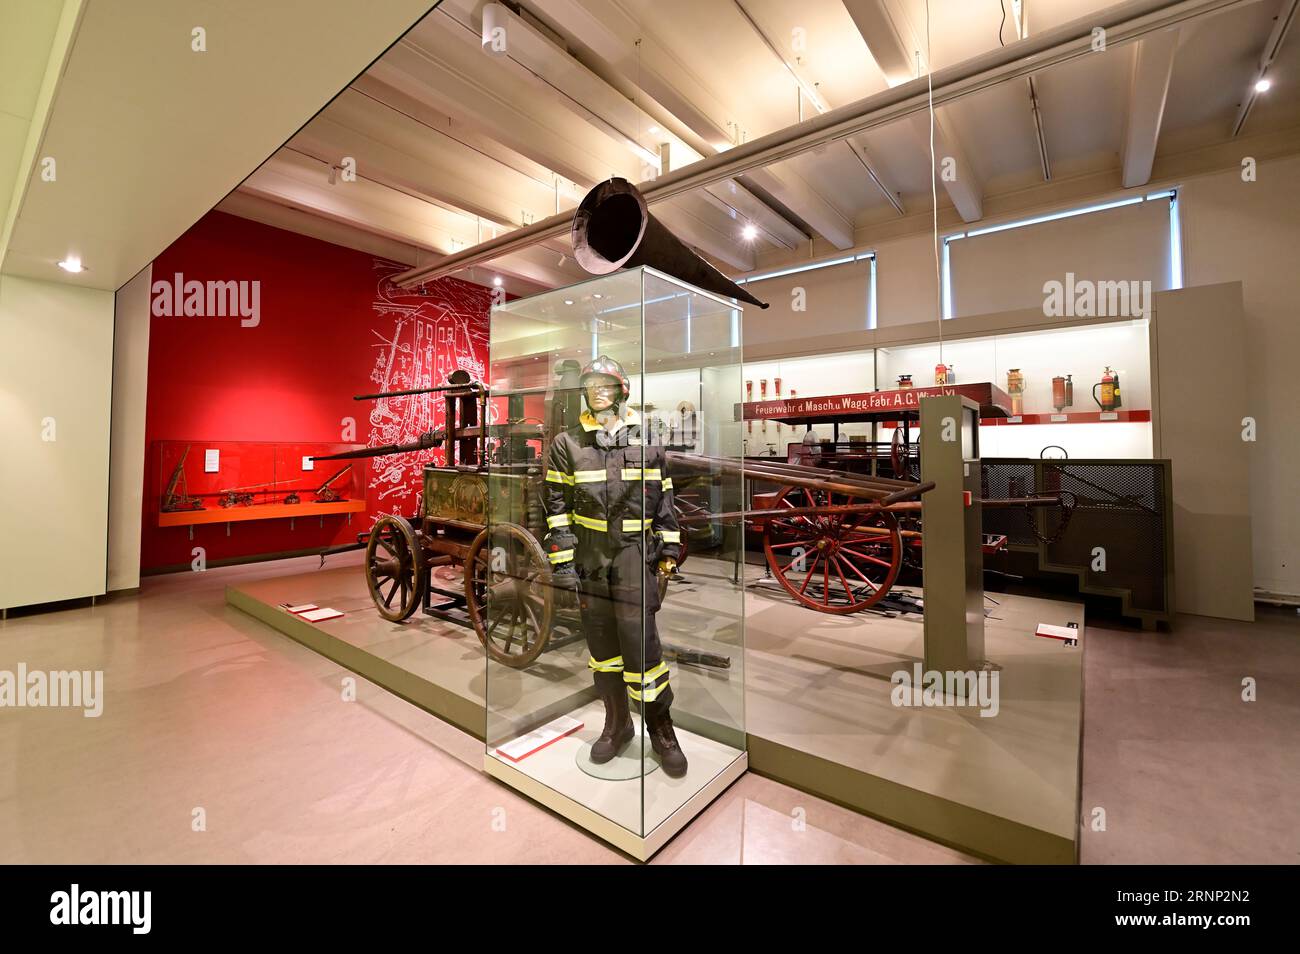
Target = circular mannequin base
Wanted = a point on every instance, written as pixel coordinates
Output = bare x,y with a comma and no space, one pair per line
626,765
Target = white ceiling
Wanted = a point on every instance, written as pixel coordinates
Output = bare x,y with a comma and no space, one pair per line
149,134
454,145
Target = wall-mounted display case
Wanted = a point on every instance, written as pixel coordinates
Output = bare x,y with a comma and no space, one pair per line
1086,389
647,655
201,481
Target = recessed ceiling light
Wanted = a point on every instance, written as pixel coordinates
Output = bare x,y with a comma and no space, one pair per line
1263,86
71,264
653,130
497,281
568,301
750,232
597,295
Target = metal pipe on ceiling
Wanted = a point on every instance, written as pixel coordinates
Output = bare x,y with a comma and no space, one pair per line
1123,23
1281,27
820,104
1038,131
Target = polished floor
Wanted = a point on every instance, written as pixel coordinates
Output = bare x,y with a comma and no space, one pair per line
222,741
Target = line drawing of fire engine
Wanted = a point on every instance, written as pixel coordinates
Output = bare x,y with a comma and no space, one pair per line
420,341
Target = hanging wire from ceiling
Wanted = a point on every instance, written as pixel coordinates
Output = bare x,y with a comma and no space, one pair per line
934,187
1003,5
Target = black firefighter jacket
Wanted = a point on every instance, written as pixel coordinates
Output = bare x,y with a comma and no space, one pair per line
599,500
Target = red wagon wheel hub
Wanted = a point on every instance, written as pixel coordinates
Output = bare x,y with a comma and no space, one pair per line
836,563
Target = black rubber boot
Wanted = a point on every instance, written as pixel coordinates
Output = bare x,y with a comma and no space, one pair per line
618,731
664,741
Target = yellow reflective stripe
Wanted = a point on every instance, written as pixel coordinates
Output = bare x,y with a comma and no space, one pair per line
645,678
648,686
671,536
648,694
559,520
632,526
591,523
560,556
605,665
587,477
653,474
639,473
555,477
668,483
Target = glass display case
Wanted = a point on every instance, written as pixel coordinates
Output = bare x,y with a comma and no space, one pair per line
619,395
1058,380
1084,389
231,481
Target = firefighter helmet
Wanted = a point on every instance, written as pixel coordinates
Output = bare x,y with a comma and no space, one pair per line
608,367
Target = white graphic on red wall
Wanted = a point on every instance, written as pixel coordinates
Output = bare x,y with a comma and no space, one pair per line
418,341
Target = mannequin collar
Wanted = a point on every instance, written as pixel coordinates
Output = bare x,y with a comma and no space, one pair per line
626,418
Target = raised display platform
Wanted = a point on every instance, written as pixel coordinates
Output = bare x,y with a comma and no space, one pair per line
818,704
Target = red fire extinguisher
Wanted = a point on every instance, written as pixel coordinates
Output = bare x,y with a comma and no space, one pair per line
1109,385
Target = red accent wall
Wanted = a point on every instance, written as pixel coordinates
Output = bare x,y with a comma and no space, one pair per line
330,325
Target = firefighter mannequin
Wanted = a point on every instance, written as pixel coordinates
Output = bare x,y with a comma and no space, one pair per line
611,528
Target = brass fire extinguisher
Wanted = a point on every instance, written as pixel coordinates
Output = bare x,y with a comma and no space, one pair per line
1109,385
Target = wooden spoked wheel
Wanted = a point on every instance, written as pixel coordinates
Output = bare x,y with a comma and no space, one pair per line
835,562
395,570
509,593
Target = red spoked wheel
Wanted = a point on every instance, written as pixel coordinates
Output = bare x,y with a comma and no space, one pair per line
834,562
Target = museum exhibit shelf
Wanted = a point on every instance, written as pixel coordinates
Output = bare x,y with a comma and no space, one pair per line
205,482
269,511
1078,352
1071,417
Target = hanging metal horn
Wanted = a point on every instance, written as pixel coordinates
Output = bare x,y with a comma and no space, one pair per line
613,229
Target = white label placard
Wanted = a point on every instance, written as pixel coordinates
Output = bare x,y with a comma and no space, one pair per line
1052,631
1014,419
1059,418
1109,416
525,745
308,463
211,460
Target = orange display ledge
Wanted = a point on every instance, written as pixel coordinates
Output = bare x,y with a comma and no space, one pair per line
1072,417
277,511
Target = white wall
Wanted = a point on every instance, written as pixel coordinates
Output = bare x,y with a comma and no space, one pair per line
831,300
1001,271
56,345
1250,232
126,465
1232,231
907,288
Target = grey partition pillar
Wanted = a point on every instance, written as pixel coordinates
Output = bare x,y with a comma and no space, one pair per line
953,558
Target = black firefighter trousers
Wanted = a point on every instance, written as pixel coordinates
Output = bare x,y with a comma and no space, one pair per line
617,591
